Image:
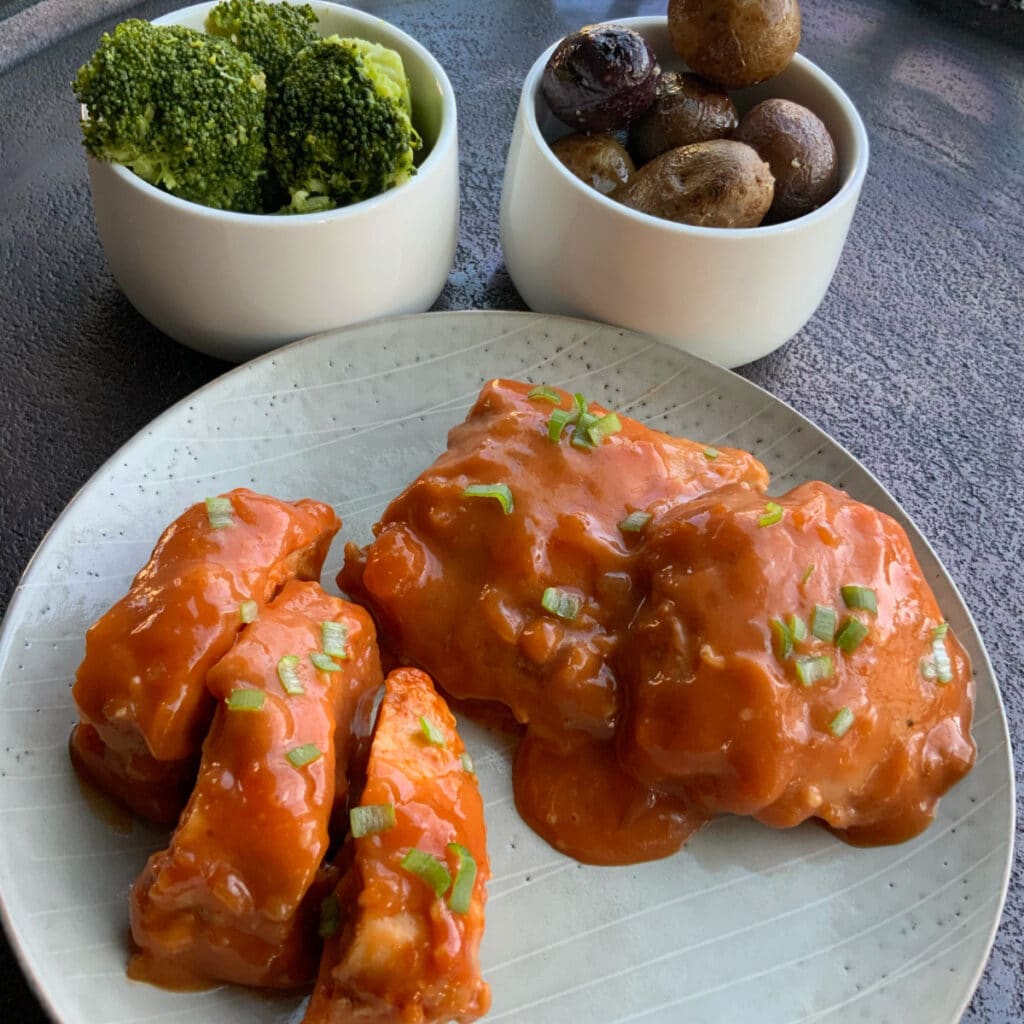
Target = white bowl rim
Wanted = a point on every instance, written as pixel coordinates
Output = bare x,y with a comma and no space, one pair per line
445,137
848,190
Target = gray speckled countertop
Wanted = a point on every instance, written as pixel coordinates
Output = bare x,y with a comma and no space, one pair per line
914,362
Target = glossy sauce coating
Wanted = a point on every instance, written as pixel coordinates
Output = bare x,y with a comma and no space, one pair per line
401,955
236,896
140,691
717,709
458,584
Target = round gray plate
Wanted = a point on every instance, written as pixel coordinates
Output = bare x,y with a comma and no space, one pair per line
745,925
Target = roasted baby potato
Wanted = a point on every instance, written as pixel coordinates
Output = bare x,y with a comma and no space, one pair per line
735,43
716,184
599,160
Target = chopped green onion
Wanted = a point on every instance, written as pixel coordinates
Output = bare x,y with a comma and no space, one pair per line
772,514
467,762
334,639
542,393
461,895
841,722
940,630
635,522
783,638
248,611
499,492
811,670
246,700
330,917
324,662
560,419
220,512
561,603
428,868
306,754
585,419
371,818
823,623
851,632
943,665
711,453
288,673
605,426
808,573
928,669
433,735
856,596
797,627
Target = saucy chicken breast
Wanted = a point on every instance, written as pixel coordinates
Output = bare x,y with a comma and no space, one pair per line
508,568
140,690
403,929
236,896
791,662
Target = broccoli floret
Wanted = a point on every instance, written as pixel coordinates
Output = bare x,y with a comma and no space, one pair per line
340,129
272,33
183,110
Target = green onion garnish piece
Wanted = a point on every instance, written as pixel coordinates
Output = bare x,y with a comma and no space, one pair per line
330,917
856,596
220,513
635,522
604,427
811,670
560,419
841,722
306,754
783,639
324,662
334,639
928,669
561,603
797,627
851,632
499,492
246,700
711,453
542,393
823,622
943,665
772,514
427,867
371,818
432,734
808,573
288,673
465,875
248,611
467,762
585,419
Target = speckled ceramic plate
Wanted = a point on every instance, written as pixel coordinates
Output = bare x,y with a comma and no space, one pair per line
745,925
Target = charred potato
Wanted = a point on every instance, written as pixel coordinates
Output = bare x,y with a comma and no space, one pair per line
687,109
599,78
716,184
735,43
599,160
799,150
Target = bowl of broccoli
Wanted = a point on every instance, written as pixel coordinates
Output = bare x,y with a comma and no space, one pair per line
263,171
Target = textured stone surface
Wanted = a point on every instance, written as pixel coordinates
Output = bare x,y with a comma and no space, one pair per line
914,361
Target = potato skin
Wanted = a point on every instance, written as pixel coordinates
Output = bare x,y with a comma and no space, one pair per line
735,43
599,160
716,184
799,151
688,109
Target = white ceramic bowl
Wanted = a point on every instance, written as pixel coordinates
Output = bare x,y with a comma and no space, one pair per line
729,295
234,285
